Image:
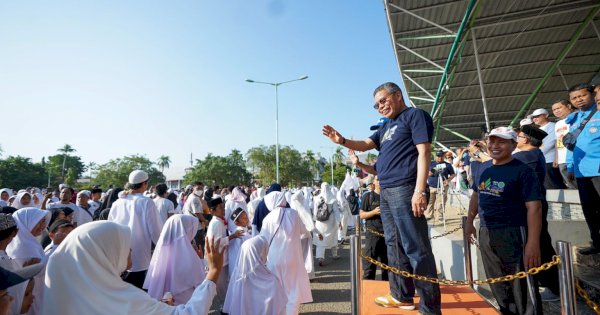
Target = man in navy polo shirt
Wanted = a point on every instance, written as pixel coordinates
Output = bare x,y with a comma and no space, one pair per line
404,144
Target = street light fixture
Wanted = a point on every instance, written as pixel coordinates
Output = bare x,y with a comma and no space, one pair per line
276,85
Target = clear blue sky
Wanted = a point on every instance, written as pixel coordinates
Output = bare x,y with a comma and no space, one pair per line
115,78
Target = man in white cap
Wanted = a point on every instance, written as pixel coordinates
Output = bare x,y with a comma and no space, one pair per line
139,213
553,178
507,197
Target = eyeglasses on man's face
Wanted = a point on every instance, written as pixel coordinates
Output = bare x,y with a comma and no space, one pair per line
382,101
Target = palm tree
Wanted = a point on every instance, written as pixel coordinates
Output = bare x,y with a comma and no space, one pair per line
371,157
309,156
65,151
338,156
163,162
92,167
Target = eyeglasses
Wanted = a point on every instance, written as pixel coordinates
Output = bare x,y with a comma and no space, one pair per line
382,101
520,136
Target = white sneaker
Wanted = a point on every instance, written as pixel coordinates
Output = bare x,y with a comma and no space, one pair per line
547,295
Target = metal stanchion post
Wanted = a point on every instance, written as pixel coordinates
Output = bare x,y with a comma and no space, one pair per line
355,273
568,305
467,247
357,226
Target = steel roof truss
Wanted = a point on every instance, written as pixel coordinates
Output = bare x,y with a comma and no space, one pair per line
420,56
421,18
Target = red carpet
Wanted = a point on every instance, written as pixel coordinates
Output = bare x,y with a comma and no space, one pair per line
455,300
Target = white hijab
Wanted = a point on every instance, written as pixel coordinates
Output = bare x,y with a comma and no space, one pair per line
175,267
17,202
297,203
7,190
87,265
254,289
25,246
237,195
327,193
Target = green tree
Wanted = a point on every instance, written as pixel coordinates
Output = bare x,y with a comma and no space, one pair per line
371,157
163,162
54,165
339,173
220,170
65,150
309,156
116,171
292,167
339,157
19,172
92,167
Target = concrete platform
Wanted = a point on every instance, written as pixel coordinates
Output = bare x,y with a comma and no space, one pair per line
455,300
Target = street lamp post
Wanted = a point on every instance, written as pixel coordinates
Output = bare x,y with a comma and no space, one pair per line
276,85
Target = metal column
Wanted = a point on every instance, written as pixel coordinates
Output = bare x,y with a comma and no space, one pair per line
485,112
355,279
568,302
468,260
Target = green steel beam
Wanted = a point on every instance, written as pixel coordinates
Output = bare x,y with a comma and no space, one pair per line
423,71
460,135
459,35
589,18
426,37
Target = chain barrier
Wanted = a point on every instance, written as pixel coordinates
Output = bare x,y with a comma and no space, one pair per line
377,233
519,275
584,295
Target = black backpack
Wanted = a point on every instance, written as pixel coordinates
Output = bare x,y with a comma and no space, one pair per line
324,210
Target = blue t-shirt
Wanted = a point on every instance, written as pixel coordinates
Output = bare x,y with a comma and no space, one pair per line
443,168
466,159
503,191
396,142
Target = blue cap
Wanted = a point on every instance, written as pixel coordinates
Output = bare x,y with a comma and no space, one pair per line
379,123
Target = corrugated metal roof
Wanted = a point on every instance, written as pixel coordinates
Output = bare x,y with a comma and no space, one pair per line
517,42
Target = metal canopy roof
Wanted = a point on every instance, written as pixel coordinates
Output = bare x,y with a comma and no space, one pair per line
509,57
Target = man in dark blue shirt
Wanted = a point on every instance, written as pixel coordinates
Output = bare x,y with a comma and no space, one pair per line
529,141
438,169
404,144
507,197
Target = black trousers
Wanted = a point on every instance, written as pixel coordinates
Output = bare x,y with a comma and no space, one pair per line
375,248
548,278
136,278
589,195
553,179
502,252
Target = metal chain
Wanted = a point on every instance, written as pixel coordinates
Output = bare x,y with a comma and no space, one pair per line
446,233
519,275
374,232
584,295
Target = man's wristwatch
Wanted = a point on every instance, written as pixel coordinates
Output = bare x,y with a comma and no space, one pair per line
421,192
343,140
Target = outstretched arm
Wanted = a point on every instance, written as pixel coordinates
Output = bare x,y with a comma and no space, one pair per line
337,138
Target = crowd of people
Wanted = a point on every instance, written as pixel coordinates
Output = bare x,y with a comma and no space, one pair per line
154,250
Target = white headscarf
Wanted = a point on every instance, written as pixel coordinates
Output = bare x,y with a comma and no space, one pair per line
175,267
7,190
275,200
254,289
88,265
17,202
327,194
25,245
297,203
237,195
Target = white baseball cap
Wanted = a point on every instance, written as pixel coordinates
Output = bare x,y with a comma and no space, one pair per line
525,121
504,133
539,111
138,176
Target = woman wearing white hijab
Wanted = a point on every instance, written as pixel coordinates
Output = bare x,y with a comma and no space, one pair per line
23,200
260,194
83,276
284,228
237,200
297,203
328,228
253,288
26,249
344,215
175,266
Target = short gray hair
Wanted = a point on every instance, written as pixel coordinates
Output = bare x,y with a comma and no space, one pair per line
390,87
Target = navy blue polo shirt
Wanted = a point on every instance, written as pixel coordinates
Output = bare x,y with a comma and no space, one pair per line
503,191
396,142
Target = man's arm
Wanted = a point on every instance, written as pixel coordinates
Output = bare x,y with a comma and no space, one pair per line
473,211
337,138
419,202
366,168
532,256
